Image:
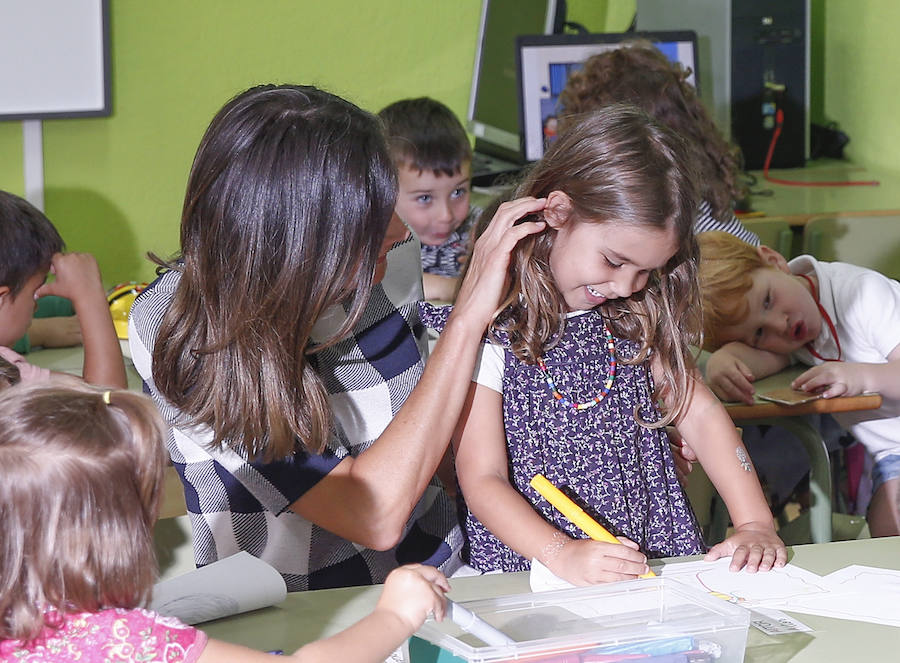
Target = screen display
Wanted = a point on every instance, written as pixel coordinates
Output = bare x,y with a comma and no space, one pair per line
493,105
545,63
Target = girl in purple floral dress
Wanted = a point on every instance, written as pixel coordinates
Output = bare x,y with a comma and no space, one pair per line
588,360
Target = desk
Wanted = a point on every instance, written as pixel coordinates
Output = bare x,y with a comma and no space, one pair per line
71,360
305,616
788,417
796,204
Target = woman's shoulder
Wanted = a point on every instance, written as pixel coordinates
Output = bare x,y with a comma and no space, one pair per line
158,295
151,304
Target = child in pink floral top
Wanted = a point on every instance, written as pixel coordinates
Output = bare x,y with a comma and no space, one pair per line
115,634
81,472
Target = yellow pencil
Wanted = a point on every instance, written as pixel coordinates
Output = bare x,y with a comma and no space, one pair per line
575,513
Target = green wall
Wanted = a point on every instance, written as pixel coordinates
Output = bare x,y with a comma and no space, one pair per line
114,185
861,87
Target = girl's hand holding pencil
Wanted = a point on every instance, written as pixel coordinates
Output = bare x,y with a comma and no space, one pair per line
602,558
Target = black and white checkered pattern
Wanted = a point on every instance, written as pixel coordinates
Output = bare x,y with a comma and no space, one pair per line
237,505
706,221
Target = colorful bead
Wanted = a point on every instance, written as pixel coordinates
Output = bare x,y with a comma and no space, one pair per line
607,385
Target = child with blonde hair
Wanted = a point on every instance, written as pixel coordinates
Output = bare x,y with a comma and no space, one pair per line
592,334
761,313
81,474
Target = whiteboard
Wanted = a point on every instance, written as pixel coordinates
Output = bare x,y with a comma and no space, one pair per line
54,59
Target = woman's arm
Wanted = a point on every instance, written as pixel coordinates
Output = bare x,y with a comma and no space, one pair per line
368,499
723,456
481,465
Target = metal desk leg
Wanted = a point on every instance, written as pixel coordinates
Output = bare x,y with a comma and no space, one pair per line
819,472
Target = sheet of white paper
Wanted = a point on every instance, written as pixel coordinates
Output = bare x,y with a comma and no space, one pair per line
771,588
859,593
768,588
543,579
230,586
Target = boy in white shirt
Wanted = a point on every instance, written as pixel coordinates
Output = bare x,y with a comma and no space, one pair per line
762,313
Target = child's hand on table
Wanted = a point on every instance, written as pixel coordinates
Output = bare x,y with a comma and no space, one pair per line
412,592
729,378
834,379
55,332
753,547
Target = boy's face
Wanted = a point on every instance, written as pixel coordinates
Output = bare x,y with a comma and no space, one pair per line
783,314
433,205
16,312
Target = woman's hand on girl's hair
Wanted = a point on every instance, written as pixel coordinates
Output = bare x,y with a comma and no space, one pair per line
480,292
589,562
412,592
753,546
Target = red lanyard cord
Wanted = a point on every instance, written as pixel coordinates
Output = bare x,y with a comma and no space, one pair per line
827,319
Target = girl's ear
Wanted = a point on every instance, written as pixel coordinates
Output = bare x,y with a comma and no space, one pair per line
772,258
558,210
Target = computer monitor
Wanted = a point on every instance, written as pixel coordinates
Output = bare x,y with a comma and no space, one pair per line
493,116
545,62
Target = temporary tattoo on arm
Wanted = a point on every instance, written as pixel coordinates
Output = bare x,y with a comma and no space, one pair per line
742,459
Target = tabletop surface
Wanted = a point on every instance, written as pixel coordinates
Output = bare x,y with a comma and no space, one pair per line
71,360
798,203
308,615
762,409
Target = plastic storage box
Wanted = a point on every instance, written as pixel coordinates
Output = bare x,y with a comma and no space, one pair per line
654,620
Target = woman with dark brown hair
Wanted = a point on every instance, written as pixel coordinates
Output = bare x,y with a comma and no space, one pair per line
284,348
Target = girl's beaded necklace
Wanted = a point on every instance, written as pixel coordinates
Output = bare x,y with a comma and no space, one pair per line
607,384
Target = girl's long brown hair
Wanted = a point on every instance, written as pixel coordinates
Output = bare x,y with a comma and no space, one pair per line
80,486
639,74
617,166
287,204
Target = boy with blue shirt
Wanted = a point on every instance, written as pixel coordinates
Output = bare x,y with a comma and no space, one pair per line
433,157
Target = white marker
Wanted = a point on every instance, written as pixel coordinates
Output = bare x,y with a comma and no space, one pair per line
471,623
